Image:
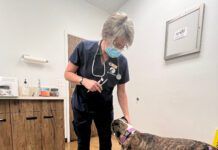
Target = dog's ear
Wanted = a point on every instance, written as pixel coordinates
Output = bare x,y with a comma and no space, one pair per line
124,119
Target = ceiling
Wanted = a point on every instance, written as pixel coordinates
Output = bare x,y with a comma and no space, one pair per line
109,6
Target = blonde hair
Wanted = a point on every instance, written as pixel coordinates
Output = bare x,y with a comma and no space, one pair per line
118,25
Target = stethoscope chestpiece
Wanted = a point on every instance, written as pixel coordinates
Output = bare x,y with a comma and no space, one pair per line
118,76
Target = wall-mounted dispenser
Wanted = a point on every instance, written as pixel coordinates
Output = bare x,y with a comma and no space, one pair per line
32,59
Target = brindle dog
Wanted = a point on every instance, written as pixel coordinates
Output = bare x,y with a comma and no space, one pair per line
131,139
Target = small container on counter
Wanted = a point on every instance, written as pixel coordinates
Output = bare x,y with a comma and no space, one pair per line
54,92
45,92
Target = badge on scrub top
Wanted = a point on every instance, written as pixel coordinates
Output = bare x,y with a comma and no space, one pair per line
112,70
113,65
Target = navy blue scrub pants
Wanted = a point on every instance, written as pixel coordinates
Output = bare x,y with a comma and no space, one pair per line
82,126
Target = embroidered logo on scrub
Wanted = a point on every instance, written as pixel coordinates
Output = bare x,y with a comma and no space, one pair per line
113,68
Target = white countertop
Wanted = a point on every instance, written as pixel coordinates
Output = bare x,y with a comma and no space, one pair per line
31,98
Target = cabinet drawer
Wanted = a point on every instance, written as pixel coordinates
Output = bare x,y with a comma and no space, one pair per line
31,106
15,106
4,106
25,106
48,105
52,105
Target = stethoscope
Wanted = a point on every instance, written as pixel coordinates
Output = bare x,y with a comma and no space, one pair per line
111,71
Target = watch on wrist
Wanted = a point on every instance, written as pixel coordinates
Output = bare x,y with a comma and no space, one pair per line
81,80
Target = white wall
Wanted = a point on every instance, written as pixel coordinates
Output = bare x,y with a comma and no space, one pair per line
178,98
38,28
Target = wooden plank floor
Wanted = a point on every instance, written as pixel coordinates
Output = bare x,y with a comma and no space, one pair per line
93,145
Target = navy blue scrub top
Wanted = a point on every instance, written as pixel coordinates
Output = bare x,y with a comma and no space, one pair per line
83,57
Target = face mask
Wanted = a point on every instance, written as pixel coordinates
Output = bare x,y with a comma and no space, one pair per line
112,52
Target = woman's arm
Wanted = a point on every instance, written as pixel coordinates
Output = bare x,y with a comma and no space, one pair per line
123,101
70,75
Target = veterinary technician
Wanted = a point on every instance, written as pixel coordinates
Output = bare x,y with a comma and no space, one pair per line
96,67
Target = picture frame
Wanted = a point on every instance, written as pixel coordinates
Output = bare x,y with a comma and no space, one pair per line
183,33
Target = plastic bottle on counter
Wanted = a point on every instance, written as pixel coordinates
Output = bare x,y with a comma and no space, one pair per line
25,88
38,89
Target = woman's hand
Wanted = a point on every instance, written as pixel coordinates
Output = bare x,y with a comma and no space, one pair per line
92,85
128,119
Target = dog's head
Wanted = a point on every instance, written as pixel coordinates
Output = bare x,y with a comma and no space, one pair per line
119,126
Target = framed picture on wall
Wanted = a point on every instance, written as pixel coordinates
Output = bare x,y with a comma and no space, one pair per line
183,33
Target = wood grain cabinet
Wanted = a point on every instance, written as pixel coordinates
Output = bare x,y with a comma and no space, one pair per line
32,124
5,126
52,126
26,124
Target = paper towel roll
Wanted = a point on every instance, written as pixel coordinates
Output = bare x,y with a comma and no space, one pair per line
31,59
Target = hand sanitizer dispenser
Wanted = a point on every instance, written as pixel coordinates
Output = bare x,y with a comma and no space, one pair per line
25,88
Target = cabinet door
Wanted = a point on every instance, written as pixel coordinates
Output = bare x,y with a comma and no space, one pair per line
48,130
18,131
48,125
5,132
33,131
26,126
59,125
59,130
31,110
52,125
